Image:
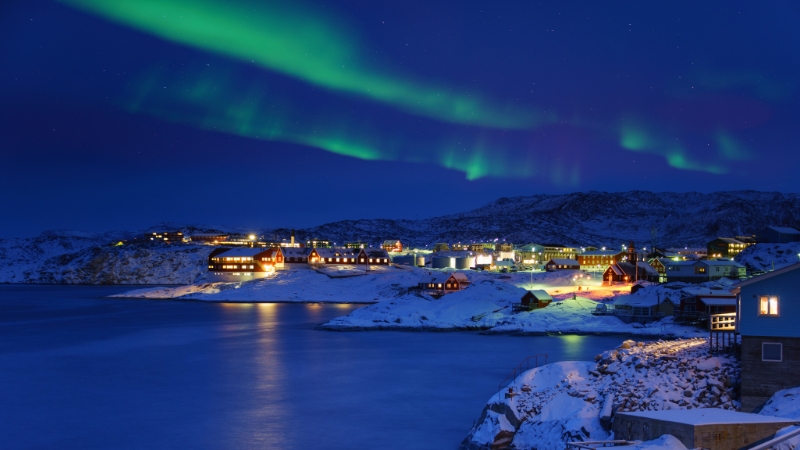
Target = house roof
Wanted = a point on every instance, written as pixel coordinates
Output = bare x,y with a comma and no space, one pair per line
626,268
720,262
391,242
247,251
443,277
295,251
718,301
736,287
376,253
567,262
336,252
541,294
784,230
602,253
728,240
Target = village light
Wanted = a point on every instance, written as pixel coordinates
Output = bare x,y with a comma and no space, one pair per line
252,237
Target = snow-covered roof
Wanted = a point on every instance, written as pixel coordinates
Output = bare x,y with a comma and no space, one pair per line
391,242
541,294
336,252
295,251
729,240
707,416
246,251
784,230
718,301
646,299
698,291
721,262
562,261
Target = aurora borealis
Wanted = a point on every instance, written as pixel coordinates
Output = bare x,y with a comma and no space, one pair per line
398,104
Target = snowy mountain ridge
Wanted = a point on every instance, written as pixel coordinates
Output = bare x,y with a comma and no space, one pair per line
580,219
585,218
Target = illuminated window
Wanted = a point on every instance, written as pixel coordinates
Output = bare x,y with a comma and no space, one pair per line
768,306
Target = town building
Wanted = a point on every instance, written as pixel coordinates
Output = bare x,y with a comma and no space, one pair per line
318,243
777,235
558,251
376,256
322,255
699,303
393,246
243,263
531,300
530,253
445,282
597,260
767,321
356,245
441,247
165,236
723,247
562,264
208,238
704,270
295,255
624,272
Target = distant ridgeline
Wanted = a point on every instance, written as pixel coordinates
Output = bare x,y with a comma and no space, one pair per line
580,219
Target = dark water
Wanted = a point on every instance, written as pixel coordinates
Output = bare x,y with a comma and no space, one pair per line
81,371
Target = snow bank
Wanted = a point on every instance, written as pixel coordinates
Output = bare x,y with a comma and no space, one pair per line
786,404
769,256
562,402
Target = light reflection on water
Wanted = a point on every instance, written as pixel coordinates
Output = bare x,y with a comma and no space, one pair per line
105,373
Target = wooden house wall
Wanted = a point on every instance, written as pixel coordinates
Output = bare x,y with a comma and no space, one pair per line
786,287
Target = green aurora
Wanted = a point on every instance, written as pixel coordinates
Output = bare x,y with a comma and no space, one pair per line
305,47
221,103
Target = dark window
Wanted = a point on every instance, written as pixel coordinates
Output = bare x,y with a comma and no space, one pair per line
771,351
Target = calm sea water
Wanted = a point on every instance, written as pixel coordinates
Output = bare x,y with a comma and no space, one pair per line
81,371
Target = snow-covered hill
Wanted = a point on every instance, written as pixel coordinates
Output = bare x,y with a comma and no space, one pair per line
581,219
586,218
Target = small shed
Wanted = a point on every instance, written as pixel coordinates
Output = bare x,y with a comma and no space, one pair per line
531,300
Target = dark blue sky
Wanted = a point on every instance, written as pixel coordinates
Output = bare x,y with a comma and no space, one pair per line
298,113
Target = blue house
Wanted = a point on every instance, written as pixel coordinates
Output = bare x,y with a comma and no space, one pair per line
768,314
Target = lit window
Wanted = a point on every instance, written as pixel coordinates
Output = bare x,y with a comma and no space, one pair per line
772,351
768,306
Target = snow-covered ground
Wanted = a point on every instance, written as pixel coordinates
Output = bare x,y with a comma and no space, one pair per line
767,257
548,406
485,304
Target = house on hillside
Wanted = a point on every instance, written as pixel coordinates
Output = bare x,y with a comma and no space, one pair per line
625,272
393,245
562,264
356,245
778,235
242,264
704,270
723,247
767,321
318,243
441,247
445,283
531,300
377,256
600,259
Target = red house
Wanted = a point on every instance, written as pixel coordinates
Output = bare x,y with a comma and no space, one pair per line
393,246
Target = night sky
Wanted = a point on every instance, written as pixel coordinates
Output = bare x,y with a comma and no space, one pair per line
122,114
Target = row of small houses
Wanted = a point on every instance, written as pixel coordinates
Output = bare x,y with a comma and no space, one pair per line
660,270
247,263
